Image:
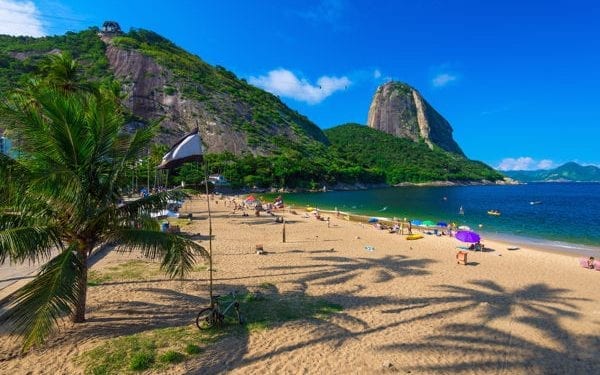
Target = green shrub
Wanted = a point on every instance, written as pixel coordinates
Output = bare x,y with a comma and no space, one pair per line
171,356
141,361
192,349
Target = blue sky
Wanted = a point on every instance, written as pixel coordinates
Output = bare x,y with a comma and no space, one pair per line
518,80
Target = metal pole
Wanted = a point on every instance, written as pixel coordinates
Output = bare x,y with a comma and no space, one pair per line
210,258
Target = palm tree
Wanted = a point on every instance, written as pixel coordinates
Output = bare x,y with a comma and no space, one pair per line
63,194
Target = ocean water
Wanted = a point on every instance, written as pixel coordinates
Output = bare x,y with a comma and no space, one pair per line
568,216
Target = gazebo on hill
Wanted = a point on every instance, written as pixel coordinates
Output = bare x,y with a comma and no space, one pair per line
111,27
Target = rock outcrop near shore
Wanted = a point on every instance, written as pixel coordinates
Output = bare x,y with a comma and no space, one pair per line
400,110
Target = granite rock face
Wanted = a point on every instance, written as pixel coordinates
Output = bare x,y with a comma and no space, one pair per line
233,116
400,110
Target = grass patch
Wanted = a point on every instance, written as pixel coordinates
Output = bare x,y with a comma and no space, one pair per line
96,278
171,356
141,361
200,268
192,349
154,349
178,221
158,349
130,270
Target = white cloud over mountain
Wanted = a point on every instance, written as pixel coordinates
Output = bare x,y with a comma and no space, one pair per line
524,163
20,18
285,83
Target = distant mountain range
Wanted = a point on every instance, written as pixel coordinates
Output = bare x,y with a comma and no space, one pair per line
567,172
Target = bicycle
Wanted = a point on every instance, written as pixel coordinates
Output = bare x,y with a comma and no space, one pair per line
213,316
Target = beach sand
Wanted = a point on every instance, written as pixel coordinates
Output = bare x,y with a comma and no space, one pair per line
408,307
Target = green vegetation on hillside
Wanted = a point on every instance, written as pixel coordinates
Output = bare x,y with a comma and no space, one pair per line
22,55
248,108
293,151
401,160
567,172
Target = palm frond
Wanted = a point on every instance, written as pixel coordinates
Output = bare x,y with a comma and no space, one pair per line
152,202
33,243
36,308
178,253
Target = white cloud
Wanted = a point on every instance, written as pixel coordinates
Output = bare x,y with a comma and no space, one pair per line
20,18
524,163
443,79
545,164
285,83
376,73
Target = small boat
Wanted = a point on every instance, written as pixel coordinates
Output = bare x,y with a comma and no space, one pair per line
461,211
494,212
535,202
310,209
417,236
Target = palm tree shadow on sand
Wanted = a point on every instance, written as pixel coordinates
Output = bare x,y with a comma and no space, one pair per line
479,346
338,269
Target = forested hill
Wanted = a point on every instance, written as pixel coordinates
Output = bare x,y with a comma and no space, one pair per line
252,138
566,172
163,81
402,160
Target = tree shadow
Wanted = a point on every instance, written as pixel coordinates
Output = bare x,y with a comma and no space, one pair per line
496,302
338,269
469,348
483,348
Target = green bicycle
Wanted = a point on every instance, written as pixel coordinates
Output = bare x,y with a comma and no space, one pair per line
214,316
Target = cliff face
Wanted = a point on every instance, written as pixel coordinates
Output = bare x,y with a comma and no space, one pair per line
400,110
162,81
151,93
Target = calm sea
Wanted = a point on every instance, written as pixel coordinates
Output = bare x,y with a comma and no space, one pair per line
566,216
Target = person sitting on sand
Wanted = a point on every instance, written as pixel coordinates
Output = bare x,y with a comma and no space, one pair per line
591,263
395,228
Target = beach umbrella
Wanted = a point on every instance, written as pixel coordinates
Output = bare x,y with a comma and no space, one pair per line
428,223
373,220
416,222
467,236
442,224
250,198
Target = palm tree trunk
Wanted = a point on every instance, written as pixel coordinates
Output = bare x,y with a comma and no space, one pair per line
79,313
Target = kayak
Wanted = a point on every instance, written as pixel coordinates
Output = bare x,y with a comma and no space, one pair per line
494,213
414,236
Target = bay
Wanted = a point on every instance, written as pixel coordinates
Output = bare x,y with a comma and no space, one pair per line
564,214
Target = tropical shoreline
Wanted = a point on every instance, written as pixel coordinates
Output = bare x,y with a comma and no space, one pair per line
390,292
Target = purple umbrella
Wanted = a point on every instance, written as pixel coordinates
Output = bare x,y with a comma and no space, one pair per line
467,236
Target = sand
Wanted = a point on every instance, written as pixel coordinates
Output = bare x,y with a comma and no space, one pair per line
407,305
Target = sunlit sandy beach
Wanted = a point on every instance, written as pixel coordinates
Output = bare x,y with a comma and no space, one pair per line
407,306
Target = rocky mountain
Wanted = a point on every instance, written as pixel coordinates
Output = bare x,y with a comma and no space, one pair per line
400,110
164,82
565,173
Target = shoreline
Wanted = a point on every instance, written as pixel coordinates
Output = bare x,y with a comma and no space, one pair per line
502,240
400,306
